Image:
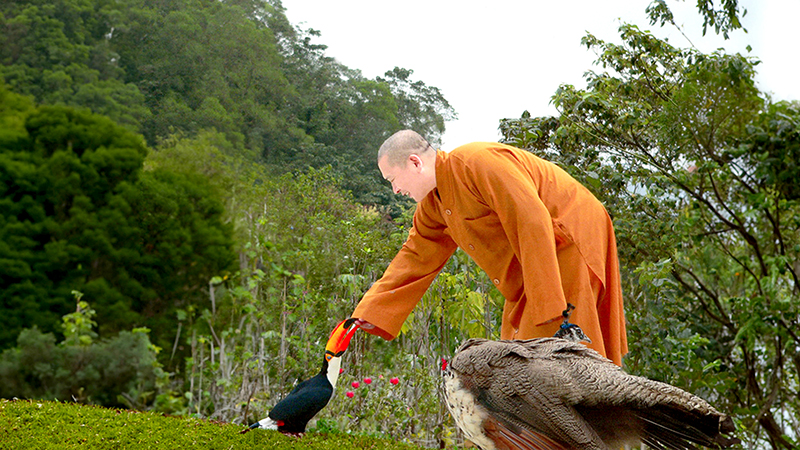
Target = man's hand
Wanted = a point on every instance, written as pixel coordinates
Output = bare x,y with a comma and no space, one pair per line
364,324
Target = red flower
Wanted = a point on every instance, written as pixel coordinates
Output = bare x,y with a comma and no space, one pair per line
355,384
394,380
349,394
341,371
367,380
444,364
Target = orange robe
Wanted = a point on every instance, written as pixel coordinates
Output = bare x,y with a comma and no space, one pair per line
541,236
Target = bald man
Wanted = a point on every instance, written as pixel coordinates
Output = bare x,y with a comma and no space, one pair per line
541,236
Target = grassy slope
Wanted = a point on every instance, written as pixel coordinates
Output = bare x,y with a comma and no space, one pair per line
49,425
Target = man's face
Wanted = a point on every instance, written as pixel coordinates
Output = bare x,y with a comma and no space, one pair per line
406,179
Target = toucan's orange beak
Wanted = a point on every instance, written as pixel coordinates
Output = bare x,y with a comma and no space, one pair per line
340,338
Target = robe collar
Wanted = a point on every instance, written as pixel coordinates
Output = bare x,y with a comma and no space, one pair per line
443,181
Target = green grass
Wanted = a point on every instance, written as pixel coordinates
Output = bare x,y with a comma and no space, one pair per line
37,424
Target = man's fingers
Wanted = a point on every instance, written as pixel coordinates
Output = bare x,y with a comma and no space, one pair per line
364,324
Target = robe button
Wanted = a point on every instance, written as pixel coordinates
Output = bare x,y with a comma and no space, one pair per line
471,247
448,212
496,281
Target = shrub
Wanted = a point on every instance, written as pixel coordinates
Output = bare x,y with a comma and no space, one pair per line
120,371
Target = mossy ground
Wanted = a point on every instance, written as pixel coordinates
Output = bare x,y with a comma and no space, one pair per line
50,425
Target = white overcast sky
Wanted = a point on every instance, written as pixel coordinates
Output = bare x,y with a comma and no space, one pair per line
495,59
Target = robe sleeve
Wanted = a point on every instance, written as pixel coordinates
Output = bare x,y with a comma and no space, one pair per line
390,300
507,189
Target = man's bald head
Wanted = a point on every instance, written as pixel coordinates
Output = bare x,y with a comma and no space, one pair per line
401,145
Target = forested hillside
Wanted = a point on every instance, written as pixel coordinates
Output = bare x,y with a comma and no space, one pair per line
178,67
236,76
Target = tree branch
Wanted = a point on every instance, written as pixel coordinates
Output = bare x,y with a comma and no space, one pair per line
723,317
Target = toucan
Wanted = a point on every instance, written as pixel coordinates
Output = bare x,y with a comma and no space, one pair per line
291,415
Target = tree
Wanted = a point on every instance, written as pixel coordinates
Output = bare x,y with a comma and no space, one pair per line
690,161
185,67
181,239
207,64
347,115
61,182
59,53
421,108
723,20
78,215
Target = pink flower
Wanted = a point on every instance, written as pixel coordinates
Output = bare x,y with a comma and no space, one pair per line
355,384
367,380
349,394
394,380
380,376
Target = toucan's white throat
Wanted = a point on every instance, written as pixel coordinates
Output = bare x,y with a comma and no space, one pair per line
267,424
333,370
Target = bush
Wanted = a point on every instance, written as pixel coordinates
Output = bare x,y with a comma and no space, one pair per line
121,371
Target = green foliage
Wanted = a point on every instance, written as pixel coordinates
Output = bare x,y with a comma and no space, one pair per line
420,108
78,215
49,425
182,241
773,145
78,326
118,371
380,408
58,52
724,18
691,163
60,190
350,116
186,67
303,236
203,65
13,111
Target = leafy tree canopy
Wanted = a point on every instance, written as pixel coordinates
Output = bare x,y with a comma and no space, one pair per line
77,214
691,161
237,67
724,18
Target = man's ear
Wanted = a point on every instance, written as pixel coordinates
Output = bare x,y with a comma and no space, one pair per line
415,161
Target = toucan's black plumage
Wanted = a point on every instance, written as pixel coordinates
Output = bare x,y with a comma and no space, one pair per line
309,397
291,415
